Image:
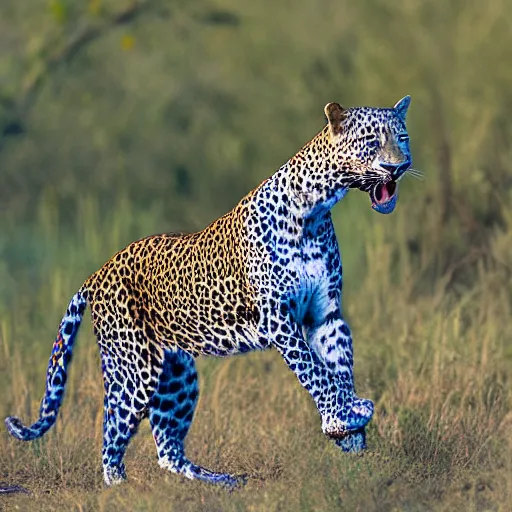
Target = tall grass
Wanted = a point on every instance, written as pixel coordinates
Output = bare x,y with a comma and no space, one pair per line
434,356
121,143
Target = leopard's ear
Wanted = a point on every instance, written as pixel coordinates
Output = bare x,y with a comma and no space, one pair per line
402,106
335,114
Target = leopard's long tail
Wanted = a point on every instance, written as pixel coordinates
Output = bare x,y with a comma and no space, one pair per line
56,374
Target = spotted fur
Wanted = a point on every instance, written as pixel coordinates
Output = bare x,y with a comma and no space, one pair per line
266,274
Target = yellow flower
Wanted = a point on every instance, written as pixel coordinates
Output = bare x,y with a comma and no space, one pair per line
127,42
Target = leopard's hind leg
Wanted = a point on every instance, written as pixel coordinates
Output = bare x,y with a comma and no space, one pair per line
171,410
128,391
131,363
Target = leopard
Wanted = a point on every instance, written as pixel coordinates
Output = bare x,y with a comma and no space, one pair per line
267,274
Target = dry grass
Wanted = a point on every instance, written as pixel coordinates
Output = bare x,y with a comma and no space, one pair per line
186,122
432,354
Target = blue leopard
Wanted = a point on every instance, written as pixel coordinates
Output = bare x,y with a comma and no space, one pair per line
266,274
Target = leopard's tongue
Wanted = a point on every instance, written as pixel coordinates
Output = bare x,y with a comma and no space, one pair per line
384,193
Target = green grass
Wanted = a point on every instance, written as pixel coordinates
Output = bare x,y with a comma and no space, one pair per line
169,132
432,352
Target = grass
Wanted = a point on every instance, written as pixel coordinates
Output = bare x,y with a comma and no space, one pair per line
431,350
167,134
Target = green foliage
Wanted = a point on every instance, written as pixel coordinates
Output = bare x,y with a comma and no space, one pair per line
120,119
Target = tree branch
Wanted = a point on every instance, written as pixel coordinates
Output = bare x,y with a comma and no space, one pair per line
17,109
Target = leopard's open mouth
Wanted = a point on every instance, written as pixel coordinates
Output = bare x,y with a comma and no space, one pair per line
383,196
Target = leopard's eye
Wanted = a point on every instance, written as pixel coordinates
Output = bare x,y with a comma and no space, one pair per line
403,137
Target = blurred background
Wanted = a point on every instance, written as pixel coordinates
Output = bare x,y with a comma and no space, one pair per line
121,118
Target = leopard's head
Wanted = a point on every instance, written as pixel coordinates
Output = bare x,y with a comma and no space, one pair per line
371,149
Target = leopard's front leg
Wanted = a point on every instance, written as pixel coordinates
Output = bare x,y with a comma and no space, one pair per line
311,372
328,335
331,340
324,386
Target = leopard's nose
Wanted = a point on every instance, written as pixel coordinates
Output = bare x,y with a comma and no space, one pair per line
396,170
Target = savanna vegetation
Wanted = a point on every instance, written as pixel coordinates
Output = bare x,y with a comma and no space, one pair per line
120,119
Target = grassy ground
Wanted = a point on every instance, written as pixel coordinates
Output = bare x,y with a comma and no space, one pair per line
114,126
431,350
